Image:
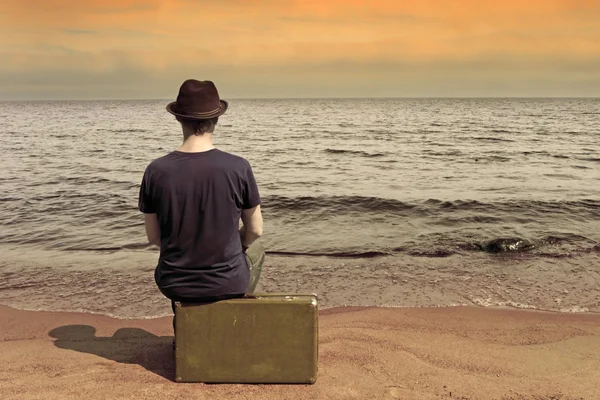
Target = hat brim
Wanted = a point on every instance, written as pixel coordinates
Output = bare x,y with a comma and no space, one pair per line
223,105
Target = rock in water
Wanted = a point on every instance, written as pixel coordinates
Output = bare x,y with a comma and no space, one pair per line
502,245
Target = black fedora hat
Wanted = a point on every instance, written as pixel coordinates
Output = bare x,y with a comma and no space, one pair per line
197,100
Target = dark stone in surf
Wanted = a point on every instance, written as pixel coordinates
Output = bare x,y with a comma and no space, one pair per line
503,245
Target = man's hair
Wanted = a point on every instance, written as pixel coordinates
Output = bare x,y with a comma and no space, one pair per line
199,126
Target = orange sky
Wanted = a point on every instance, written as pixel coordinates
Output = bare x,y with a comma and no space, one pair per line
299,48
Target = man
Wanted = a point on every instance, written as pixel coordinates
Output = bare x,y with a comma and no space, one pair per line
193,199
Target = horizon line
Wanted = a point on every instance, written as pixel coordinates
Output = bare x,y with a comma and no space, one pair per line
316,98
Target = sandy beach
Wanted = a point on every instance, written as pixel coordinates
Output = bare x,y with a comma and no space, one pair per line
364,353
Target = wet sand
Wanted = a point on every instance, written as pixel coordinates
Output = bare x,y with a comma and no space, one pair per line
364,353
121,284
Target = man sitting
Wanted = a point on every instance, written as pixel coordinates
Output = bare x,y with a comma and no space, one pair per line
193,199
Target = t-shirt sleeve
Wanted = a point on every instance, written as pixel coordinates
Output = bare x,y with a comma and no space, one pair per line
145,203
251,197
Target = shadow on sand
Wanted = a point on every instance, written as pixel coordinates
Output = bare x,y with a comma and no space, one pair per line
127,345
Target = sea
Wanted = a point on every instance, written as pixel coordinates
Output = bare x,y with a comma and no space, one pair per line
367,202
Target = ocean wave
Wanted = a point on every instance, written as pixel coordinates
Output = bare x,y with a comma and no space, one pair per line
593,159
354,152
280,204
520,247
358,254
433,228
342,204
491,139
131,130
432,253
110,249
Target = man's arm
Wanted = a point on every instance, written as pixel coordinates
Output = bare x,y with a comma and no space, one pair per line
253,226
152,229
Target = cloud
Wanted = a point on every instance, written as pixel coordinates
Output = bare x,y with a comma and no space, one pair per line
122,75
144,48
79,32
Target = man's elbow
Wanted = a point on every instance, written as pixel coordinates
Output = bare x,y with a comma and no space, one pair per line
154,240
256,231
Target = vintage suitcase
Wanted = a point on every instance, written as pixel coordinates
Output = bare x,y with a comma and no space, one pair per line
263,338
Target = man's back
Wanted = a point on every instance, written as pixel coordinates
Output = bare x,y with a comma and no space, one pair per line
198,199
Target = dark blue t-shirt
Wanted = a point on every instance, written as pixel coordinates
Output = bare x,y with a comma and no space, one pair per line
198,199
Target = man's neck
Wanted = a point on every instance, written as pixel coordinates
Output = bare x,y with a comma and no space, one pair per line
197,144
